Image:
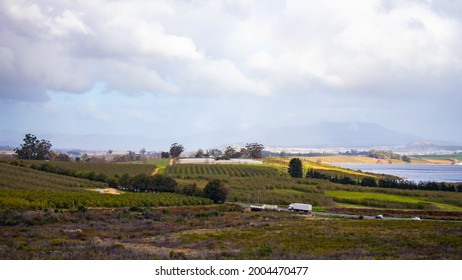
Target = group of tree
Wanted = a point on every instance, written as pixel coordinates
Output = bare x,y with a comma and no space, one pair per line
251,150
388,155
33,148
427,186
214,190
146,183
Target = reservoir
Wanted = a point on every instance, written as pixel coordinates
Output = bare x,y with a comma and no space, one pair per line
413,172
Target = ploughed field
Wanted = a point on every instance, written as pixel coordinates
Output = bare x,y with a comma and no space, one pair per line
45,215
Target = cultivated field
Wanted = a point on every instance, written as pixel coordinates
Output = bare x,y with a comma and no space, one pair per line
22,188
45,215
108,169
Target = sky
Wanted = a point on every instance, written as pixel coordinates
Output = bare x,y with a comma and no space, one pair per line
168,69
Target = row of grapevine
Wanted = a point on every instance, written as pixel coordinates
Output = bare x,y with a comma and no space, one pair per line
229,170
40,200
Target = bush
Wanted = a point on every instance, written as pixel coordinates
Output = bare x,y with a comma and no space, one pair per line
216,191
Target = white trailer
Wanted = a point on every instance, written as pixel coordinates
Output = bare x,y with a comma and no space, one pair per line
300,207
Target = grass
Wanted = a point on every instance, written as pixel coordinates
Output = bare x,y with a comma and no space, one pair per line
281,164
365,198
219,232
457,156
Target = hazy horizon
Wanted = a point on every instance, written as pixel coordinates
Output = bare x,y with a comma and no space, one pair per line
177,69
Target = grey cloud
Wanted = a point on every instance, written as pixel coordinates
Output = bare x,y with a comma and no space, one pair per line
229,48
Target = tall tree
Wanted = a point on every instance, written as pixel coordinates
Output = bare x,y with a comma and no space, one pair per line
254,150
295,168
176,150
229,152
200,153
32,148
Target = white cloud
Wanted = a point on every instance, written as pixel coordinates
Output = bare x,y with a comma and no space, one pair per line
343,58
228,47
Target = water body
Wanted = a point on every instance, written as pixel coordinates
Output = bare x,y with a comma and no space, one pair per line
413,172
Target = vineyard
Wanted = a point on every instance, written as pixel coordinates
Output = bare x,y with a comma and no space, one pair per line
221,170
108,169
24,188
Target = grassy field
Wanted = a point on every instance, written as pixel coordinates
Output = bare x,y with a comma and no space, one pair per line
282,164
219,232
386,200
457,156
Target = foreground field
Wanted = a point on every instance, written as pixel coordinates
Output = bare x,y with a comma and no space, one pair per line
219,232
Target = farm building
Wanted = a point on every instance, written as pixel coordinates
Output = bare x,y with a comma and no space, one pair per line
213,161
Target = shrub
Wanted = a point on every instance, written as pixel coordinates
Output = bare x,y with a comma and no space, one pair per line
216,191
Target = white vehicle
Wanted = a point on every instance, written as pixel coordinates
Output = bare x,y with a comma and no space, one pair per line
256,208
379,217
415,219
300,207
264,207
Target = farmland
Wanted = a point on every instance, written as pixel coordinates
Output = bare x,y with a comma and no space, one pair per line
220,170
108,169
22,188
66,219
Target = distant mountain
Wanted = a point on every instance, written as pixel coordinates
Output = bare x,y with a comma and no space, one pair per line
326,134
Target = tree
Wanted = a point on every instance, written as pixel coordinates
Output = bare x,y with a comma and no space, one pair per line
32,148
295,168
143,151
164,154
176,150
406,159
368,182
254,150
216,191
229,152
215,153
200,153
60,157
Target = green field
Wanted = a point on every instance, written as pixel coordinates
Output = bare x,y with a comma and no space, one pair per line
108,169
385,200
24,188
457,156
220,170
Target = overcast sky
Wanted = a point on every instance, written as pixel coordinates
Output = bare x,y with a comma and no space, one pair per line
171,68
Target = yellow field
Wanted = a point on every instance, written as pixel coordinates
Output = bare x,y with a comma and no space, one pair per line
368,160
